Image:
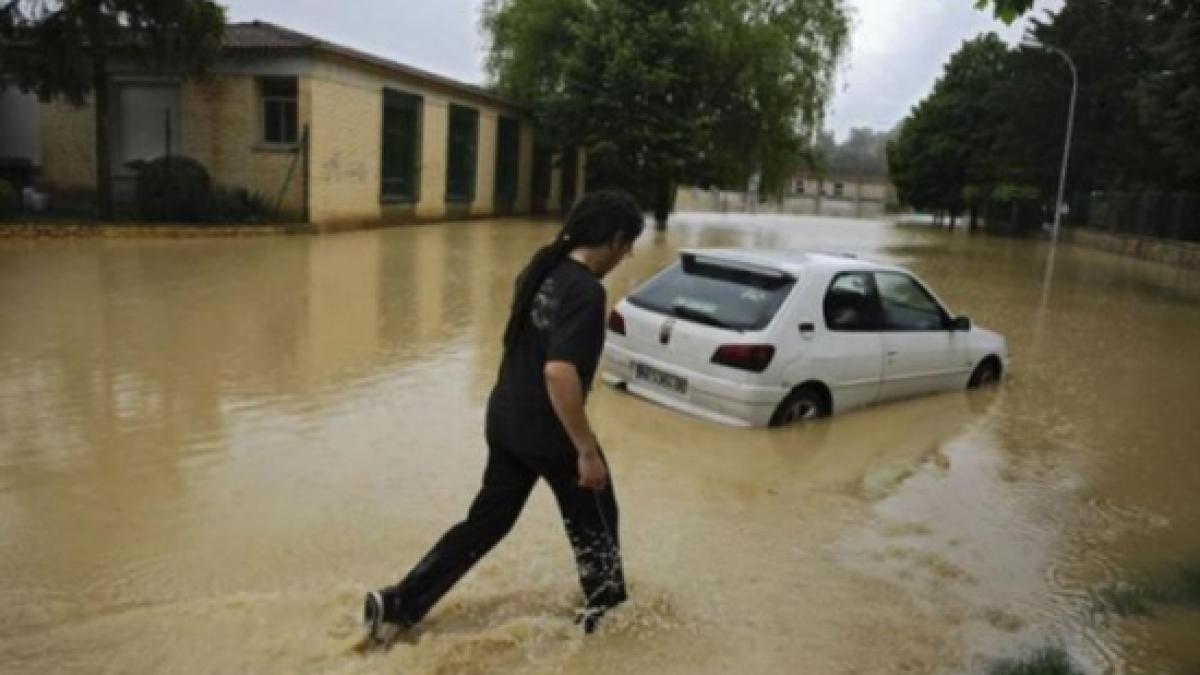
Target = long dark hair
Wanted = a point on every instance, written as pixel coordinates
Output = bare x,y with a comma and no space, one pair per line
595,220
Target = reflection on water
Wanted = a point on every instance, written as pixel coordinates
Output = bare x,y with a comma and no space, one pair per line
209,448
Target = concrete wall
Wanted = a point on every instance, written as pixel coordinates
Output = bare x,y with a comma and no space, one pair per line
1177,253
345,154
69,152
524,201
485,165
347,130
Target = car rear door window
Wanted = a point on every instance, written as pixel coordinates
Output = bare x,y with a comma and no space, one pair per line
908,306
708,292
852,303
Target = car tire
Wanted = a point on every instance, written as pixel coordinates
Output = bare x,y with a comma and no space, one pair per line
802,405
986,374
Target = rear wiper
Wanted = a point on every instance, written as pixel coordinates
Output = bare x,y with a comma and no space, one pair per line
685,312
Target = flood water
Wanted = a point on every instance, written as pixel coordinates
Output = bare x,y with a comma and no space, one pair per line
210,448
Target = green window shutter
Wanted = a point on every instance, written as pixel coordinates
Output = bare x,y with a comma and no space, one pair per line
508,139
400,174
461,149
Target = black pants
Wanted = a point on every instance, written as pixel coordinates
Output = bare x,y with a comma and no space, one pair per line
590,518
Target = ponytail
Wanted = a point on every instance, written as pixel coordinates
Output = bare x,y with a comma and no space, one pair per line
598,218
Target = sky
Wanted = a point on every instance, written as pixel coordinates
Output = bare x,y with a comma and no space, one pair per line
897,47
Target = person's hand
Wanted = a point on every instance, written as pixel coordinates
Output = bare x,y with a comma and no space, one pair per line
592,473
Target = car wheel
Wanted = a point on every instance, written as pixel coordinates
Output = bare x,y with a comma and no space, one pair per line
806,403
986,374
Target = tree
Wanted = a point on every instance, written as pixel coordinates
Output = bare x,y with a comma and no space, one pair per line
63,49
863,153
943,156
1169,95
663,91
1006,10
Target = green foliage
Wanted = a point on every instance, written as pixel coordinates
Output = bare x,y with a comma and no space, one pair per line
1169,94
993,128
1008,193
1006,10
179,190
57,43
658,91
174,190
10,200
239,205
946,142
863,153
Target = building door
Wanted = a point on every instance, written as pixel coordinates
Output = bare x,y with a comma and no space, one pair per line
146,121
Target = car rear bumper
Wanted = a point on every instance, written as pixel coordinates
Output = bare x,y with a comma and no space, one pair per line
708,397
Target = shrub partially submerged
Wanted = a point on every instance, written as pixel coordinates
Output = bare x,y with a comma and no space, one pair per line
10,200
179,190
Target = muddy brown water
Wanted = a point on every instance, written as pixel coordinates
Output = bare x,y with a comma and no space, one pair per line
210,448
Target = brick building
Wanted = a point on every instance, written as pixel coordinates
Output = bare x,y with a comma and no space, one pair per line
337,136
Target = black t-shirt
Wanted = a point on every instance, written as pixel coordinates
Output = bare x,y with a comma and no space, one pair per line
565,323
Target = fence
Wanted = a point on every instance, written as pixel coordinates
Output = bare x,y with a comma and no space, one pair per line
1163,215
692,199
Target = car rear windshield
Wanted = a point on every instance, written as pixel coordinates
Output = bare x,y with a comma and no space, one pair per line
717,293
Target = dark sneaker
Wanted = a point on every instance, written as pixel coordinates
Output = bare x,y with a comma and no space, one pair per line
588,619
382,624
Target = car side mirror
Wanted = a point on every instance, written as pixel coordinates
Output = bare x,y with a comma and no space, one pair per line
960,323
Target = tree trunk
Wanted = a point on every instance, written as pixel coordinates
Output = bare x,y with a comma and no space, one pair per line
664,199
974,221
953,217
104,191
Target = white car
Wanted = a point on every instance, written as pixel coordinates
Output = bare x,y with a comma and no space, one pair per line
764,338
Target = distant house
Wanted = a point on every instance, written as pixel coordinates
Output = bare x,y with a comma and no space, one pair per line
844,193
337,136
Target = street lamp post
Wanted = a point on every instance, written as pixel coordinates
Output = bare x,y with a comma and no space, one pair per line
1062,183
1062,176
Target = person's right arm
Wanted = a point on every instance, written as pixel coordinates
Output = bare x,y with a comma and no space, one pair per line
566,397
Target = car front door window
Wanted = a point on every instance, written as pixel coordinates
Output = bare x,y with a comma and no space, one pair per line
921,354
906,306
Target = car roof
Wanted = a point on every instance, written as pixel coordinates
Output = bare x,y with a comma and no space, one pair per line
792,262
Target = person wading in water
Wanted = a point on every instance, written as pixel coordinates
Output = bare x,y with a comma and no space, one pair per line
536,424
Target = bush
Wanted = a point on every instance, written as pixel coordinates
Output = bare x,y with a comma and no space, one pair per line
10,200
239,205
174,189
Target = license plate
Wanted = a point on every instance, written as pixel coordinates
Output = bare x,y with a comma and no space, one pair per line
658,378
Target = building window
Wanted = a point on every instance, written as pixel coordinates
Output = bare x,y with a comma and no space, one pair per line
799,186
279,110
400,166
838,189
508,139
460,154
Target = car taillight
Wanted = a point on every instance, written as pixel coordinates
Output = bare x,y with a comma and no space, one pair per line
754,358
616,322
